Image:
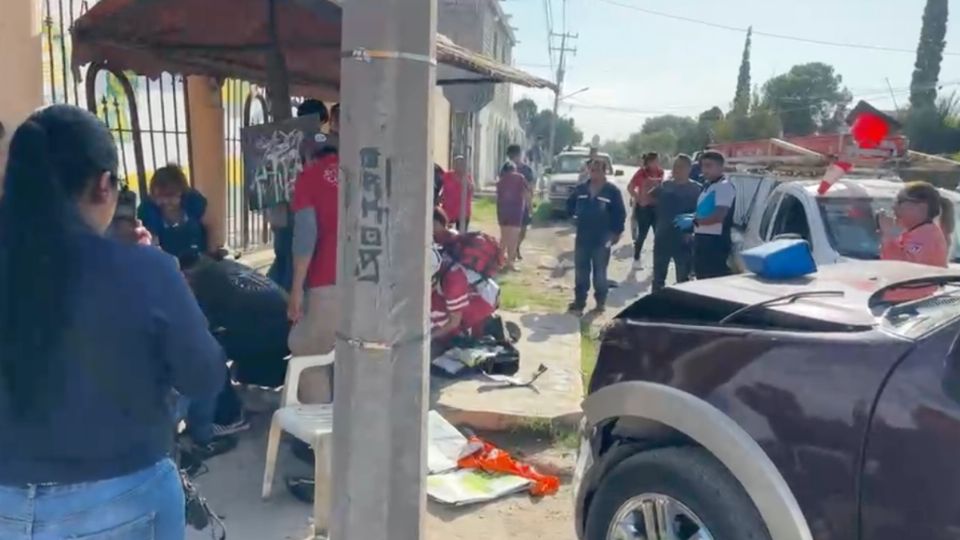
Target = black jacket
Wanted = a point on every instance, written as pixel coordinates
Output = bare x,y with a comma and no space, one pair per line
599,218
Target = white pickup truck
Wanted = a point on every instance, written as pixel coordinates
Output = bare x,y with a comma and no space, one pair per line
840,225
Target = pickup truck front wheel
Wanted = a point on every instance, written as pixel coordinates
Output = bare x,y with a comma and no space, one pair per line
672,494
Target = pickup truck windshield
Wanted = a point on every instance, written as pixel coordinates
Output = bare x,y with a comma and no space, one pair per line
852,227
916,319
572,163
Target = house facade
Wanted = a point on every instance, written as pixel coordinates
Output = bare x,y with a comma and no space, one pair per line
482,120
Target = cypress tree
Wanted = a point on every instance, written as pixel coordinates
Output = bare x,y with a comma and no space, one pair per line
741,101
926,73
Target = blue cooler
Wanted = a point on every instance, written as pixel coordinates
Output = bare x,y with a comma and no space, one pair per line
780,259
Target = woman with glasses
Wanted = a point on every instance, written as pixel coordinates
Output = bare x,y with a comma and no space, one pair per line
920,228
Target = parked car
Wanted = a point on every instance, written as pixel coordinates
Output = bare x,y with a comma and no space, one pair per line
840,225
743,409
564,175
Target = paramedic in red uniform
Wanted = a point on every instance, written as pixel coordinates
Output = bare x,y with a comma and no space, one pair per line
313,307
456,308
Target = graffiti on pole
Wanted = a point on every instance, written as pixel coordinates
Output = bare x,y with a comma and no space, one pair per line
273,158
374,214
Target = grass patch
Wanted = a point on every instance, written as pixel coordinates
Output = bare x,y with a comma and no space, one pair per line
543,428
517,291
589,343
484,210
542,213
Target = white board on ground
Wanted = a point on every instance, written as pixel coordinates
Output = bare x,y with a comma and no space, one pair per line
469,486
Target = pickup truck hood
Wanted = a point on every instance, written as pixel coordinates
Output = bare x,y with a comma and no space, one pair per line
858,281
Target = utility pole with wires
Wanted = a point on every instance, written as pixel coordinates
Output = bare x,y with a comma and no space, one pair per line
561,71
388,73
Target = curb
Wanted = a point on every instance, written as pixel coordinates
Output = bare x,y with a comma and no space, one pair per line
494,421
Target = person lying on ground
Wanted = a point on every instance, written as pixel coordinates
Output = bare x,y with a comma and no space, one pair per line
95,335
176,215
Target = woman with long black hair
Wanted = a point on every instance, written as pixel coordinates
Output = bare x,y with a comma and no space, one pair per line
94,335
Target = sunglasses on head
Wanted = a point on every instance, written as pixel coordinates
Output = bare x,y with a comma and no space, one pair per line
904,200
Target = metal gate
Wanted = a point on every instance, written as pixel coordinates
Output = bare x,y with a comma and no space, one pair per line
148,118
244,105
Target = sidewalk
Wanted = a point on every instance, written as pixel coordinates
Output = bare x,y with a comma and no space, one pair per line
232,485
552,340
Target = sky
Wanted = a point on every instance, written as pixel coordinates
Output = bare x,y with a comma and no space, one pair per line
638,65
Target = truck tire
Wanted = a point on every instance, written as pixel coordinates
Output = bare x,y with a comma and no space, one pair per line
709,497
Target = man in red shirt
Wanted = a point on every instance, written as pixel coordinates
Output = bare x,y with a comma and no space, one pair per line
456,195
644,205
313,303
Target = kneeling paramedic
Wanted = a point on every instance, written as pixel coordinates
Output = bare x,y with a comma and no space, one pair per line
461,301
597,206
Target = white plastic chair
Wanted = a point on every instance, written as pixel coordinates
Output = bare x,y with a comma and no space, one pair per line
312,424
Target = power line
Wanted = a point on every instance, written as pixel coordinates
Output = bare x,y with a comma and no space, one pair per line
765,34
677,109
548,19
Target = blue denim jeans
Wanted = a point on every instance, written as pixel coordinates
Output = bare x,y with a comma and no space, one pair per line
145,505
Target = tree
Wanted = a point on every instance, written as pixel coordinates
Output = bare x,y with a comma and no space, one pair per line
741,100
806,98
526,110
668,122
537,124
617,150
710,116
567,132
926,73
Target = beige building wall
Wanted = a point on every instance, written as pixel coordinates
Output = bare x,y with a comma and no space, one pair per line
208,149
441,128
21,60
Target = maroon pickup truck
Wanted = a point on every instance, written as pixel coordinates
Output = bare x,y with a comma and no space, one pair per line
743,409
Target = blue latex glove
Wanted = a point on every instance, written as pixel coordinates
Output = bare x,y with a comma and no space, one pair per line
707,206
684,222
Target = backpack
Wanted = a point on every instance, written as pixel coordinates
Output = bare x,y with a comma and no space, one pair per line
479,252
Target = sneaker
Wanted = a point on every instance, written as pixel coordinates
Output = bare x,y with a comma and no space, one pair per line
575,309
239,426
302,488
216,447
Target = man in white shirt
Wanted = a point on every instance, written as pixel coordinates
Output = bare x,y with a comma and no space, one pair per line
711,232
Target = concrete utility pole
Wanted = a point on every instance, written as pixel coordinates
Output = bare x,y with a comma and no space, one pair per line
561,71
379,451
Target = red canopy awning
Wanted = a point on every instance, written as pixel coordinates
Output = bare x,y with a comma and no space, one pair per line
230,39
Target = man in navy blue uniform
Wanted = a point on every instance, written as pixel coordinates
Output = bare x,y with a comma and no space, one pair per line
597,206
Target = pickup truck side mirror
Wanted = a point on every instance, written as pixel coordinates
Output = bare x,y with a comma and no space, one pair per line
548,170
618,172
